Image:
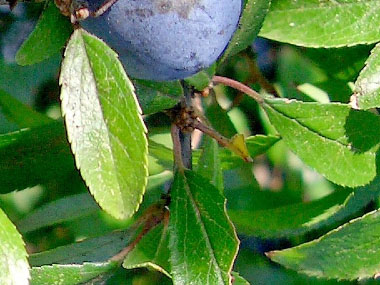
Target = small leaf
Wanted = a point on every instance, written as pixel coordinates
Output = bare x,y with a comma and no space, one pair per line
238,146
202,79
69,274
250,23
367,86
202,240
331,138
104,125
157,96
348,252
48,38
152,252
21,114
301,218
14,266
34,156
322,24
209,165
96,250
238,280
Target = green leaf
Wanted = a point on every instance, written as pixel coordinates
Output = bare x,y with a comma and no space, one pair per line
209,165
157,96
348,252
367,86
14,266
301,218
238,280
79,205
104,125
19,113
314,23
96,249
202,79
48,37
252,18
331,138
69,274
202,240
161,153
152,252
67,208
34,156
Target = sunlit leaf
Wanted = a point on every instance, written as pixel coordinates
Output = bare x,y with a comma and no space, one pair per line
14,267
348,252
314,23
69,274
367,86
104,125
331,138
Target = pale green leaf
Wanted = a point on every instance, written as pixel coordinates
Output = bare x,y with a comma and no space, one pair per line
252,18
202,240
14,267
48,37
22,115
315,23
367,86
151,252
104,124
69,274
331,138
348,252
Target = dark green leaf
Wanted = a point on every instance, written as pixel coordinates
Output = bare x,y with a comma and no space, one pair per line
67,208
76,206
300,218
157,96
48,38
322,24
331,138
209,165
202,79
34,156
14,266
69,274
96,249
367,86
161,153
104,125
348,252
152,252
19,113
250,23
202,240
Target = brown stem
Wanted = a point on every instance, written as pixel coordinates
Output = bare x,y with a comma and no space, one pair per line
223,141
177,148
239,86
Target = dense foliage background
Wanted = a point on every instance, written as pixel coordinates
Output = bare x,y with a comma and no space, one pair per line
314,172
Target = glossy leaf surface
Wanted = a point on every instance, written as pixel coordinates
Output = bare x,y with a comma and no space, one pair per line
331,138
104,125
314,23
367,86
348,252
